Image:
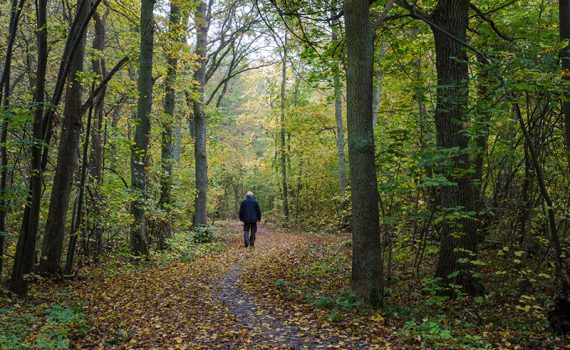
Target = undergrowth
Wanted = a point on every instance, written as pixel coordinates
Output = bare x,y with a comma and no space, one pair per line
49,318
510,315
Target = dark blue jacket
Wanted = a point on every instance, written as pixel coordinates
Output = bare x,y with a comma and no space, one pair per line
249,211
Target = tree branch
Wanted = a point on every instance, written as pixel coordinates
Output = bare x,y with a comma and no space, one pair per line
487,19
103,84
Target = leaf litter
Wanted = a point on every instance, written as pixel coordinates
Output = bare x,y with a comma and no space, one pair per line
224,300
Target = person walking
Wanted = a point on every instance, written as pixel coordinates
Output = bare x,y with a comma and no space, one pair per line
250,215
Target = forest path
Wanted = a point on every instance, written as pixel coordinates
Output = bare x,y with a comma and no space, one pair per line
214,302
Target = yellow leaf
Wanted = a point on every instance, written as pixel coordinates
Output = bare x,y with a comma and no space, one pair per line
377,318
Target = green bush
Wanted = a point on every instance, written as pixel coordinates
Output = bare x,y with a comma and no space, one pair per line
434,334
205,234
58,323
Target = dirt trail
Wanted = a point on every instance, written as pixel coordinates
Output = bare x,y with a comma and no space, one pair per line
203,305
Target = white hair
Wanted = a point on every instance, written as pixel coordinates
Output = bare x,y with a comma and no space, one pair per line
249,194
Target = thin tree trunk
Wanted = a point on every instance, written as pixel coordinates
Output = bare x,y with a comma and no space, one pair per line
96,155
282,145
167,155
24,257
50,259
379,75
77,219
139,151
202,26
15,12
177,148
74,40
458,236
339,125
367,269
564,9
481,138
561,269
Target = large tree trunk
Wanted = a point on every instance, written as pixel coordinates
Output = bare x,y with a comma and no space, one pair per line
167,155
367,270
24,257
96,155
15,12
202,26
50,260
564,8
282,145
139,150
458,236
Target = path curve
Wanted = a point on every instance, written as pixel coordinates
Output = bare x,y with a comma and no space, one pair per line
205,304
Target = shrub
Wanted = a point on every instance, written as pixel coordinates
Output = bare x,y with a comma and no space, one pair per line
205,234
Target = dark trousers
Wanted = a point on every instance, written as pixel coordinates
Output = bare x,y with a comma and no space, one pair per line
249,231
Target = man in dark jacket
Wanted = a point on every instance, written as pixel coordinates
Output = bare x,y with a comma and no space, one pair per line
250,215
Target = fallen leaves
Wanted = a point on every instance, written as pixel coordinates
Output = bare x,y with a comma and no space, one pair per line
224,300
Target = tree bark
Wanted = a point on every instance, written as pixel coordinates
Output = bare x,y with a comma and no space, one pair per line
167,155
52,248
458,236
139,150
283,131
24,257
199,117
481,130
367,269
15,12
77,218
96,155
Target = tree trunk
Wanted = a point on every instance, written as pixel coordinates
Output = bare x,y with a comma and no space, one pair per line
96,155
564,8
15,12
367,270
339,125
24,257
202,26
283,133
77,214
379,75
458,236
177,148
562,279
167,155
50,259
481,130
139,150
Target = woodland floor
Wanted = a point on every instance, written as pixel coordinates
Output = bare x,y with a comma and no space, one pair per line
224,300
290,292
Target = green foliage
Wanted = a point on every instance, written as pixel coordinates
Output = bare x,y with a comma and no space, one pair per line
187,247
50,329
205,234
434,334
